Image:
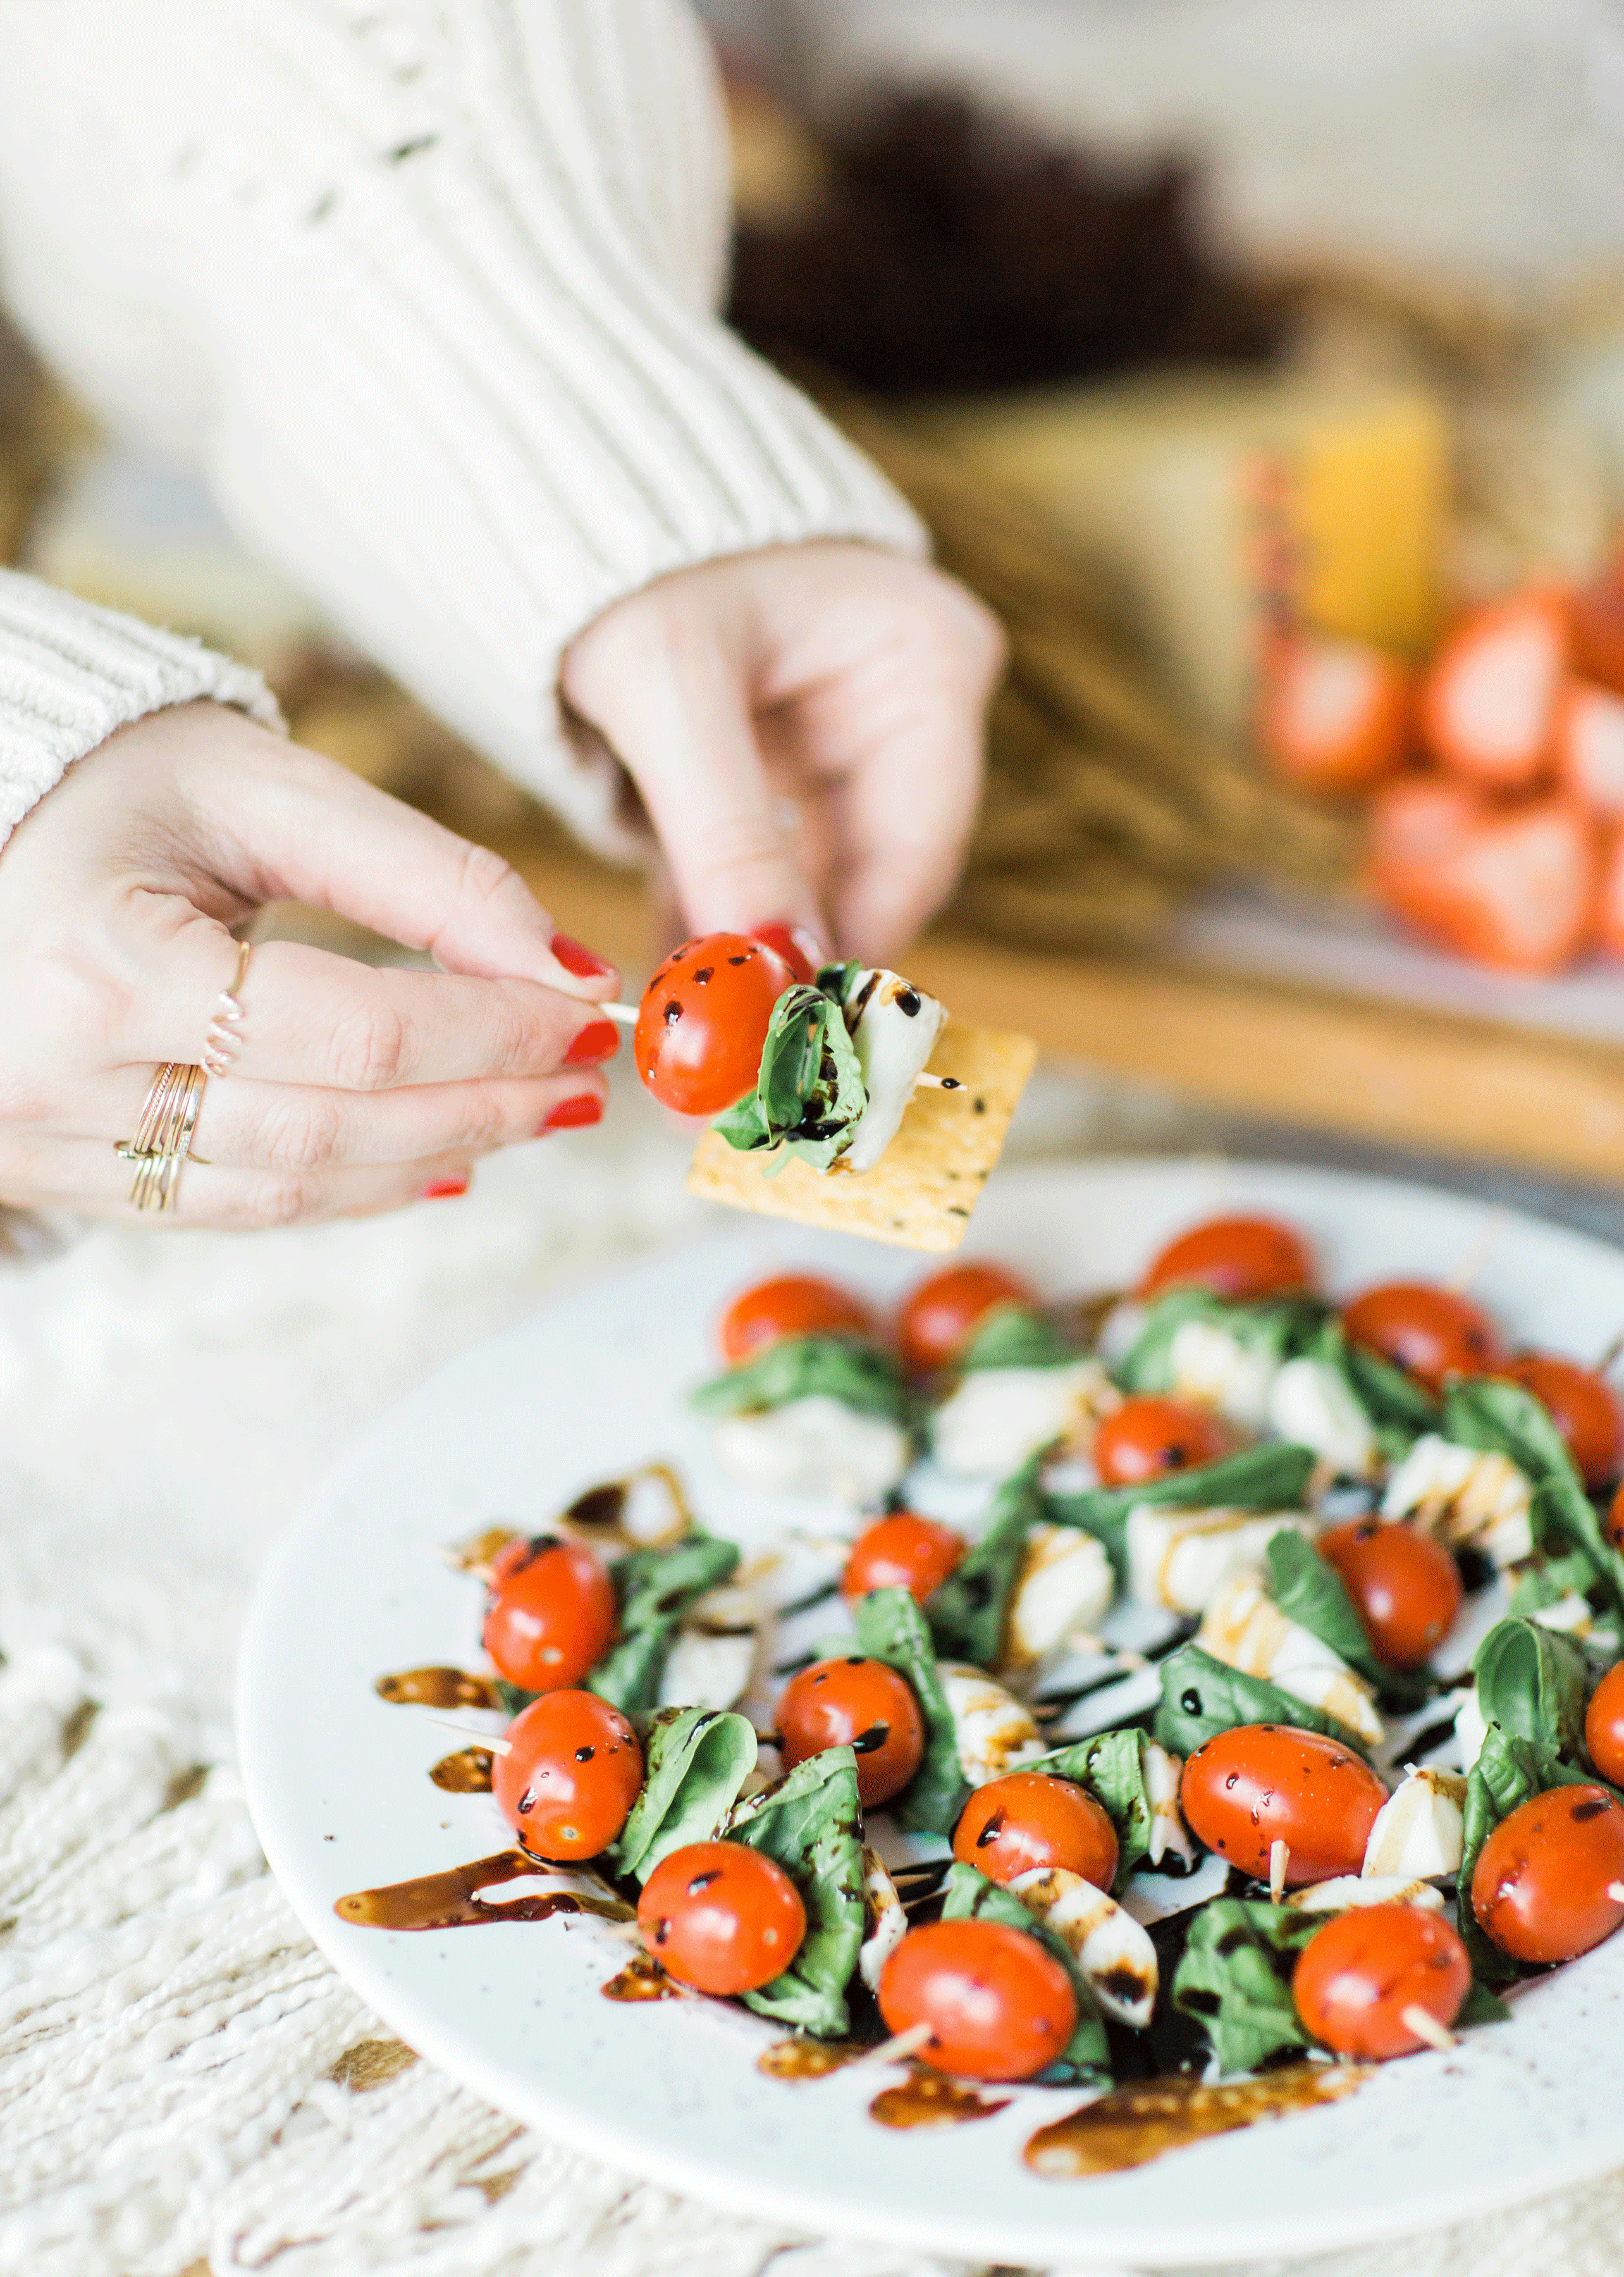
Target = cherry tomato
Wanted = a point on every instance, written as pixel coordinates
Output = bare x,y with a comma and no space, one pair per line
1583,1406
1604,1725
570,1776
998,2005
1357,1977
1235,1257
1430,1332
1147,1437
791,1305
944,1313
1542,1887
1265,1783
862,1704
550,1612
795,944
903,1551
703,1020
722,1917
1031,1818
1406,1588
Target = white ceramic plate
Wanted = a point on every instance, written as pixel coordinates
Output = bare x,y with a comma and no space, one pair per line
670,2090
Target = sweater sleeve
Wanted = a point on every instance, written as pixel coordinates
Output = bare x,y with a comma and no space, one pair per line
71,673
429,292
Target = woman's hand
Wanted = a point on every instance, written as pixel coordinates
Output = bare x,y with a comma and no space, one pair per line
804,726
356,1090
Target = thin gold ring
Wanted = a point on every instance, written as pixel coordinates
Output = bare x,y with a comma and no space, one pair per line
162,1142
224,1038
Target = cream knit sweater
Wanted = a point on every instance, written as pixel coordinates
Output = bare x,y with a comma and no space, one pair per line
427,289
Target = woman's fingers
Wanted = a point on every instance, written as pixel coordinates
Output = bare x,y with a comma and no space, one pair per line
904,802
244,1124
297,827
89,1179
662,680
327,1023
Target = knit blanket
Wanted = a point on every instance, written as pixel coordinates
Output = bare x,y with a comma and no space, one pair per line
185,2086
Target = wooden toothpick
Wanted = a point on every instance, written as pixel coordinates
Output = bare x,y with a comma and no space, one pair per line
475,1738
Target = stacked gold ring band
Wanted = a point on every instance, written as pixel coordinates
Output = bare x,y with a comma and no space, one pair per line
162,1142
162,1145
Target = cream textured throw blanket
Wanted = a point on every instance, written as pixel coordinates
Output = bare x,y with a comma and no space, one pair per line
184,2085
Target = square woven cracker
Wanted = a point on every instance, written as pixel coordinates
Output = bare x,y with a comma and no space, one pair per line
921,1192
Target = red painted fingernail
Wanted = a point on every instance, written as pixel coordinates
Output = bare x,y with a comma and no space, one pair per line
576,958
598,1040
796,944
443,1190
573,1115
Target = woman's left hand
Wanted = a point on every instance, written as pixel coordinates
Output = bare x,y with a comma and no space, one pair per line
804,726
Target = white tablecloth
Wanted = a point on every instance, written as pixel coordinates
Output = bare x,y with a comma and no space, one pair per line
183,2080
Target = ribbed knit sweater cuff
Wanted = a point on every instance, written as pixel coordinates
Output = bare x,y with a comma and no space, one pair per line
71,673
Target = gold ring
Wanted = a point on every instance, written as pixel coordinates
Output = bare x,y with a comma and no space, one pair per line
163,1140
224,1039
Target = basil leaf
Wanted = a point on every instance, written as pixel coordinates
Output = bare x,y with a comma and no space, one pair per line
1533,1682
1015,1335
1547,1581
514,1697
811,1825
1502,1419
809,1094
1111,1766
858,1374
839,981
1481,2006
1259,1478
891,1627
695,1760
656,1587
1279,1327
1310,1591
1394,1401
1235,1977
969,1895
967,1612
1202,1697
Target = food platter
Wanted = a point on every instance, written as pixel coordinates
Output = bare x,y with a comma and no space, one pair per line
671,2090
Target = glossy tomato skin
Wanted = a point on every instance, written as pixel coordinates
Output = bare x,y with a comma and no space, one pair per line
1604,1725
861,1703
1583,1406
550,1612
1146,1437
1541,1883
1432,1333
1355,1977
998,2005
721,1916
795,944
903,1551
1031,1818
1406,1586
941,1316
789,1304
571,1774
1235,1257
703,1020
1265,1783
